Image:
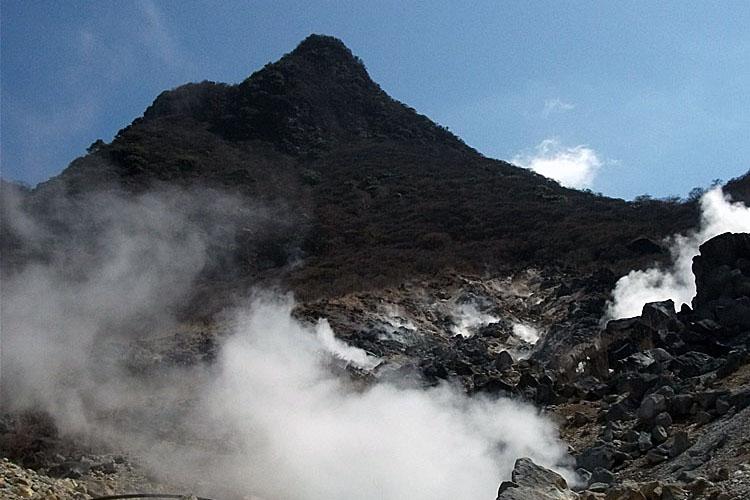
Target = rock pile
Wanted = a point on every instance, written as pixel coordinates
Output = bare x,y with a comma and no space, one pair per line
667,393
19,483
667,397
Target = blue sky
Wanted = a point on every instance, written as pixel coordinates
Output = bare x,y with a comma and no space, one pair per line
625,98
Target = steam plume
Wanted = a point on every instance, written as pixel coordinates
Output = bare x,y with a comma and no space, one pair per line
718,215
468,318
270,418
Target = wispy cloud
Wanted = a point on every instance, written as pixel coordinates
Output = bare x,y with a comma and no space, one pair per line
142,40
556,105
156,36
574,167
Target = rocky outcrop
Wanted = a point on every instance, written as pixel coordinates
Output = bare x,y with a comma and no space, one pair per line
675,390
530,481
722,278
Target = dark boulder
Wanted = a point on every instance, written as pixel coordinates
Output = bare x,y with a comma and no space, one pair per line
693,363
661,316
503,361
713,268
596,457
651,406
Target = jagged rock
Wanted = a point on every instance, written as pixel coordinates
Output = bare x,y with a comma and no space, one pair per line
597,457
707,326
608,435
681,405
584,475
636,361
703,417
530,481
637,384
741,399
497,330
697,486
672,341
663,419
631,436
692,364
723,405
495,384
578,419
720,475
660,354
601,475
503,361
619,411
666,391
644,442
659,434
627,448
70,469
707,399
680,443
652,405
656,456
545,391
591,495
713,268
732,362
654,490
660,316
598,487
734,314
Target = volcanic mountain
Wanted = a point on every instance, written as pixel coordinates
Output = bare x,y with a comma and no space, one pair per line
365,190
453,314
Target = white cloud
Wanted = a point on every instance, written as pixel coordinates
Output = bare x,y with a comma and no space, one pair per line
556,105
574,167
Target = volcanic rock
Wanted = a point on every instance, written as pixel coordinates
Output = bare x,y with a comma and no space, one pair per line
530,481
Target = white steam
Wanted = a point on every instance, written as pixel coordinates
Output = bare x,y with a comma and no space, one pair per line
526,332
397,326
396,319
57,314
273,417
342,350
301,433
718,215
574,167
467,319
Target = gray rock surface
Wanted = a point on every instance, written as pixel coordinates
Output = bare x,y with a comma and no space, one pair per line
530,481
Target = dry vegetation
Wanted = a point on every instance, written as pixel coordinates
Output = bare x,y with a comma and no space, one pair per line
370,191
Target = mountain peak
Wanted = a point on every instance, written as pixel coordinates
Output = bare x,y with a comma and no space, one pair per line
322,45
314,98
323,56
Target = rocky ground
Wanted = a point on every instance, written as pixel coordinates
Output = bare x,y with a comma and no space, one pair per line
42,464
17,482
660,407
653,407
